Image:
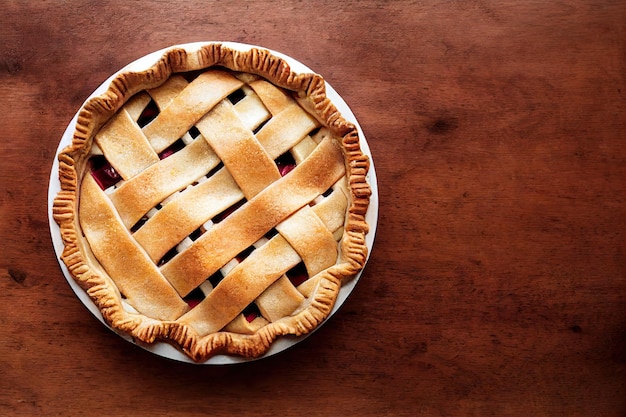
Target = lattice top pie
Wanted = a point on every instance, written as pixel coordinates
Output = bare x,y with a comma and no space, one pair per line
216,201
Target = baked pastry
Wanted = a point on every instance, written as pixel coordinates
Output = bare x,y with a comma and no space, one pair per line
215,201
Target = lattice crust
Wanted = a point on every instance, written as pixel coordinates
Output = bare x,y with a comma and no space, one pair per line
233,205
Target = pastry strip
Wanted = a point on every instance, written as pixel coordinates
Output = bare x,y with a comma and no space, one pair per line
308,235
164,94
331,210
272,97
285,130
279,300
239,150
135,274
251,110
136,105
126,148
241,325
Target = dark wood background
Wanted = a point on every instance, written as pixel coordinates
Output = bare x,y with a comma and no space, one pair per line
497,284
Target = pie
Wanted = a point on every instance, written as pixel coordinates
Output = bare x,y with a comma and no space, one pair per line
215,201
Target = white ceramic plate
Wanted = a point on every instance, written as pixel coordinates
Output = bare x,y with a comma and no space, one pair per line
164,349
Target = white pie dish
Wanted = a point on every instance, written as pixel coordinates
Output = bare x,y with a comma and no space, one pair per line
164,349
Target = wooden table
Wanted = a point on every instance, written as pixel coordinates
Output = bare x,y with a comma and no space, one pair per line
497,283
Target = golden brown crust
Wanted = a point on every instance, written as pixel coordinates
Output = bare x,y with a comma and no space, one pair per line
310,92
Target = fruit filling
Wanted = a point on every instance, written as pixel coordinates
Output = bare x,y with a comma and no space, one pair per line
105,175
172,149
194,298
228,211
148,114
244,254
285,163
251,312
298,274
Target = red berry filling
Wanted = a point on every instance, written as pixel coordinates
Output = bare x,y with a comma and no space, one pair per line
244,254
285,163
194,298
251,312
192,302
148,114
105,175
172,149
298,274
228,212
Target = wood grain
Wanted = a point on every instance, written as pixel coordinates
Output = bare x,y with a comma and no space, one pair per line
497,284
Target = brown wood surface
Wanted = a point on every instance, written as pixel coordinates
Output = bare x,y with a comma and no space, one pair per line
497,284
